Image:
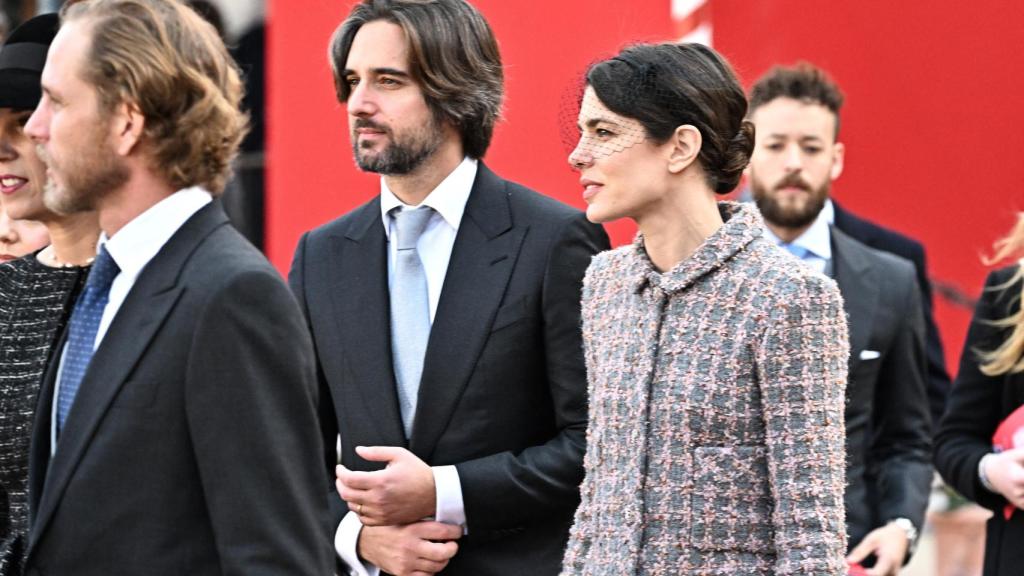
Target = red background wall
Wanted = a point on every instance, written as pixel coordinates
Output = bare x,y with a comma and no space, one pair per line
933,120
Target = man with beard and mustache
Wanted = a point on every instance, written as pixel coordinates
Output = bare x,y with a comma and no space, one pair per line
445,312
177,425
796,157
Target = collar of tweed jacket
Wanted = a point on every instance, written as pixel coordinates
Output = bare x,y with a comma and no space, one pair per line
743,224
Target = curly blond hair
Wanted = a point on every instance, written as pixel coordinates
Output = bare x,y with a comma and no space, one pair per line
164,58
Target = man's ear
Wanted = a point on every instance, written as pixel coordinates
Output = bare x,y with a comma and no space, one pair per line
684,147
838,154
127,127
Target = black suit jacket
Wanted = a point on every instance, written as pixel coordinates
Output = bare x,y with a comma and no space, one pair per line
977,404
888,430
893,242
192,446
503,391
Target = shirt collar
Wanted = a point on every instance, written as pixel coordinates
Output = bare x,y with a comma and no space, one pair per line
448,199
135,244
828,212
817,239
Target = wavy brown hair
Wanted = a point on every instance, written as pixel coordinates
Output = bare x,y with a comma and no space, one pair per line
164,58
1008,358
453,56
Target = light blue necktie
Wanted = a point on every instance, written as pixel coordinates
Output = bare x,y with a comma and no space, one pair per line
410,309
799,251
85,321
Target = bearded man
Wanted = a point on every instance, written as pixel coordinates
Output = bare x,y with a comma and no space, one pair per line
445,313
796,158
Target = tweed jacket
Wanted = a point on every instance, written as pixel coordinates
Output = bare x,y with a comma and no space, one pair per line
715,444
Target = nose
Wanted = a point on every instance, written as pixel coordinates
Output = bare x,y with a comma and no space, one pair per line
7,151
361,101
38,126
793,158
580,157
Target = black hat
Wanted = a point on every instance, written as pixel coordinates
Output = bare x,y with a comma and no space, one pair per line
21,61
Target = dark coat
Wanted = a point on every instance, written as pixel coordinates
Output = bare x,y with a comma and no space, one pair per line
888,428
192,446
886,240
503,391
977,404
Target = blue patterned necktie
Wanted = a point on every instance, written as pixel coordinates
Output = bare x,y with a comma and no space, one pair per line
410,309
85,321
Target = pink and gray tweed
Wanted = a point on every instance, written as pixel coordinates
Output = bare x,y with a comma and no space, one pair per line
716,437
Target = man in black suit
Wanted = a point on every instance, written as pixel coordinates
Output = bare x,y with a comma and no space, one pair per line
886,240
452,353
176,430
796,157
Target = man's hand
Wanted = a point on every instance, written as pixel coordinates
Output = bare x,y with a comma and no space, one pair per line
1005,471
889,545
418,549
401,493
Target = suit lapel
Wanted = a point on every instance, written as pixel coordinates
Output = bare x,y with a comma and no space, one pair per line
148,303
482,260
859,287
358,281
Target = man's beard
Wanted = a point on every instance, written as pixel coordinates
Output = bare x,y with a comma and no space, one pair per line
402,154
789,215
88,176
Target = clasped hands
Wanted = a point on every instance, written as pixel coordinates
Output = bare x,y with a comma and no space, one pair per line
392,504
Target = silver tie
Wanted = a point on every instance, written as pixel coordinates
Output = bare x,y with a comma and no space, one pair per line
410,309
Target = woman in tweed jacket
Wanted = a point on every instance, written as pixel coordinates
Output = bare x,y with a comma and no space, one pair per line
717,364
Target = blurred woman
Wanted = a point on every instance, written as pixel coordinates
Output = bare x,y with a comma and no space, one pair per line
989,387
36,291
716,367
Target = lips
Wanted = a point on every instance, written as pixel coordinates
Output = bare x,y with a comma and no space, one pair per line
364,127
7,257
10,184
590,188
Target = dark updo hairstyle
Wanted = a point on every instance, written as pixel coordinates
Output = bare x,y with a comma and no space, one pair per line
665,86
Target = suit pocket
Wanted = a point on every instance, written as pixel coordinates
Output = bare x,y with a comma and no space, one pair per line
511,313
731,503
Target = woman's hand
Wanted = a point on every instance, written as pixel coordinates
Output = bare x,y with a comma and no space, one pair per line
1005,471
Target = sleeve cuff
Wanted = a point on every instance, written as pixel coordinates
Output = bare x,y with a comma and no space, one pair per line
346,544
448,488
983,477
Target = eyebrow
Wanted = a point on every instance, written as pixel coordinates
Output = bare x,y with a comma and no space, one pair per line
379,72
593,122
800,138
49,92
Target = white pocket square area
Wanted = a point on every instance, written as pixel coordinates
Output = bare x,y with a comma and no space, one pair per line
869,354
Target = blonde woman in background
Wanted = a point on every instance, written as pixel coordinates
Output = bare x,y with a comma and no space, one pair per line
988,388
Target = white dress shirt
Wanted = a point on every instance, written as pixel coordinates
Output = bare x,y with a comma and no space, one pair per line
816,240
132,247
435,249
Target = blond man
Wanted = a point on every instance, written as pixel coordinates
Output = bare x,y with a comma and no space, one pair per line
177,428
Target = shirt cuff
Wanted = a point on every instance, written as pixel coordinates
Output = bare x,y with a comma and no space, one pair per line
346,544
982,477
450,508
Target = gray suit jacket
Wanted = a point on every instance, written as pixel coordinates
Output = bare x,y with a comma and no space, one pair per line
192,446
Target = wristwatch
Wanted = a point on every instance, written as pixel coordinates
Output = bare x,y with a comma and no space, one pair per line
908,527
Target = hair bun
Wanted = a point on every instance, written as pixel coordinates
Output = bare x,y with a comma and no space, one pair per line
735,158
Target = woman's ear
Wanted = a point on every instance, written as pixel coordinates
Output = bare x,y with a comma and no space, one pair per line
684,147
